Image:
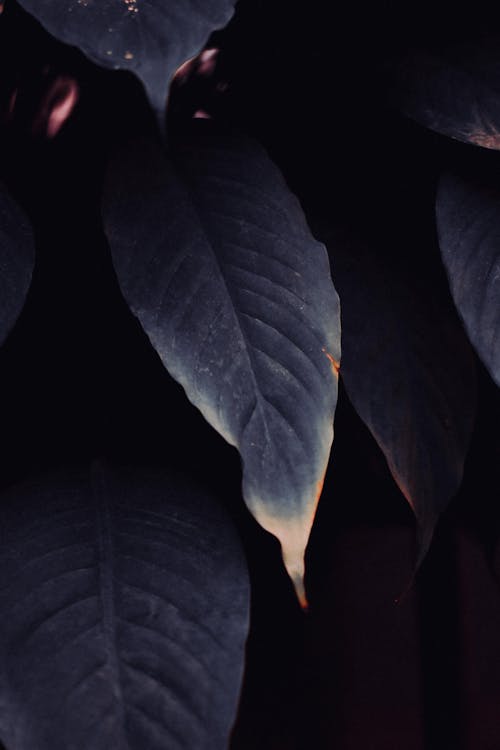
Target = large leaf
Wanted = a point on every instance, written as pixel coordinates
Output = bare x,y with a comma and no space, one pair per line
456,92
151,38
17,258
468,220
216,260
409,373
125,613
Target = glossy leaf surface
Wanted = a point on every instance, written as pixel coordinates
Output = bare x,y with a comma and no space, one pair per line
215,258
127,601
468,219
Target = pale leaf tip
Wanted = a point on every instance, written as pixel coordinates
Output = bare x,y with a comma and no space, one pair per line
293,534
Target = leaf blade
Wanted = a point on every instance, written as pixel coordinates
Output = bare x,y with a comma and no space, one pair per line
149,38
468,222
129,640
236,297
453,92
409,374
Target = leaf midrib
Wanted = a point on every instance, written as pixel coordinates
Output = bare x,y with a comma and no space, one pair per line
107,596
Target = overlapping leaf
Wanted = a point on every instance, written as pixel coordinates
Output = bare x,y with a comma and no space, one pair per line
456,93
17,258
468,220
409,374
151,38
125,602
216,260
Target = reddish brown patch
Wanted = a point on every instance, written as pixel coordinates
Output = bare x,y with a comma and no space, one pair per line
319,488
486,140
334,363
303,601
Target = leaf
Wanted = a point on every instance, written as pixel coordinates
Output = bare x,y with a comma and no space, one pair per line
468,221
127,601
17,258
455,92
409,374
151,38
216,260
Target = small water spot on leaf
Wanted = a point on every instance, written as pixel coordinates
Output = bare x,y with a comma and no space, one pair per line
131,6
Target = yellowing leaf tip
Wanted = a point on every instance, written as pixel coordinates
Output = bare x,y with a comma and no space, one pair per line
293,534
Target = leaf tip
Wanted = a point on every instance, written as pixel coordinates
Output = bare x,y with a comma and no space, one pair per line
295,568
293,535
425,535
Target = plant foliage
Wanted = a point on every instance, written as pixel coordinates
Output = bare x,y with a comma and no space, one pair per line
186,213
128,614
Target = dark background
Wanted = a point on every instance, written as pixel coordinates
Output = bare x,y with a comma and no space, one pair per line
79,380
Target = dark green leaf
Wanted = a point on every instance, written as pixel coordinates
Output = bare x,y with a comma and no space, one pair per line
468,219
17,258
216,260
456,93
409,373
125,602
151,38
